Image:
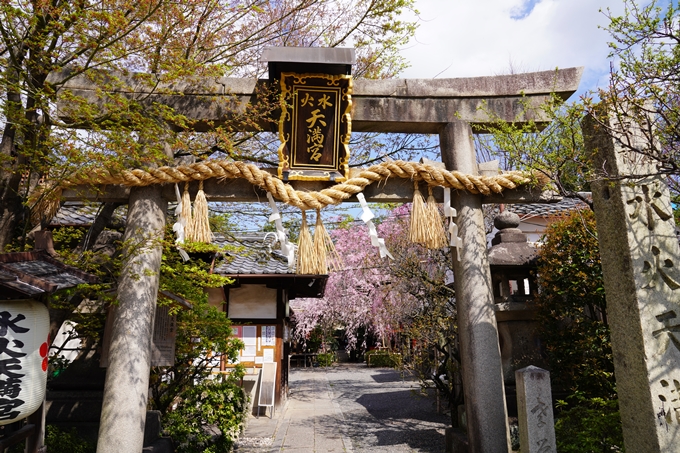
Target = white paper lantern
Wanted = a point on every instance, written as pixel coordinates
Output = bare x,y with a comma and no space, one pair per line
24,344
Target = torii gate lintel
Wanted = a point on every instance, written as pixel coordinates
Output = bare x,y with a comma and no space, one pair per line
422,106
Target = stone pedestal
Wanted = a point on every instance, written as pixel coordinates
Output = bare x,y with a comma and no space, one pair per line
640,259
480,354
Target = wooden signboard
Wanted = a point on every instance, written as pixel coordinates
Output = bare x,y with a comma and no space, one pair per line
164,336
315,127
267,388
260,345
263,347
163,340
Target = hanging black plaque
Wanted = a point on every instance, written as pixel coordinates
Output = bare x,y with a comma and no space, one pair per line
315,127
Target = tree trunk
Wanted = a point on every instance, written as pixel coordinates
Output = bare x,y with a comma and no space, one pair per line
11,208
101,221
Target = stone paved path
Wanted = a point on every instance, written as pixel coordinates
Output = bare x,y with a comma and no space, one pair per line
349,408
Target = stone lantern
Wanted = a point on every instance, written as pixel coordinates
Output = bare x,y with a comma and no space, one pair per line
513,264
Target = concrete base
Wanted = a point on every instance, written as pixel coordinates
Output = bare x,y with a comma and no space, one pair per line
456,441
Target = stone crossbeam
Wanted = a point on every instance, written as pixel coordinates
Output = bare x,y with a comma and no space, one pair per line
399,105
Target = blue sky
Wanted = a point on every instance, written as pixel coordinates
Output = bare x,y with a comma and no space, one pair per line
464,38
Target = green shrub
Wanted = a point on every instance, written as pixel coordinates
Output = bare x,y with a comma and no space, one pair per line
211,403
58,441
325,359
571,308
383,359
592,425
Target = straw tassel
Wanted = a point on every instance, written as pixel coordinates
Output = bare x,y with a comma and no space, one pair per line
47,203
437,235
185,214
327,256
418,228
200,225
307,263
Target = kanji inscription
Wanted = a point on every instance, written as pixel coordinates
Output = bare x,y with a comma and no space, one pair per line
11,369
669,411
662,268
315,127
668,334
648,206
540,410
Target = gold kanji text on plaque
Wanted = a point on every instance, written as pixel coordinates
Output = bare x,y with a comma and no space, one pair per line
315,127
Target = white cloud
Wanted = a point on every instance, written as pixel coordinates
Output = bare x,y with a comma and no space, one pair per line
463,38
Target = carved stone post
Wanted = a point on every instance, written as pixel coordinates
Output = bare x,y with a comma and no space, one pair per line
127,378
480,354
534,411
640,257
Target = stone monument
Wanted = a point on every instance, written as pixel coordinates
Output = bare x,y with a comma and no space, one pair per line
640,254
535,412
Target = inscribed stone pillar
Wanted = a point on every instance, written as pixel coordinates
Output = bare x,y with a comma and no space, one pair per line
127,378
535,413
485,409
640,258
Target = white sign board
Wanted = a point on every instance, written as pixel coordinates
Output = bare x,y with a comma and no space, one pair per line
267,387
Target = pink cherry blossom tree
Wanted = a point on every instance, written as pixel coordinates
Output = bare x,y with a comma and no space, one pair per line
380,295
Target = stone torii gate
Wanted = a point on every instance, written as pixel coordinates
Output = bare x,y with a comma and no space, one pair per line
446,107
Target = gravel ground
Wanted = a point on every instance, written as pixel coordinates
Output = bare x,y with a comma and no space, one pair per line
383,412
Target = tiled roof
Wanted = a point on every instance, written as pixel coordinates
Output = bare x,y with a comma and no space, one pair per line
79,214
35,273
251,255
253,259
547,209
46,271
11,281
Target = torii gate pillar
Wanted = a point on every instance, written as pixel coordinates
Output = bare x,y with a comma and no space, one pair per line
485,409
126,389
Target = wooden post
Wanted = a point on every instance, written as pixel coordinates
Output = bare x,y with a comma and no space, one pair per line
486,413
36,441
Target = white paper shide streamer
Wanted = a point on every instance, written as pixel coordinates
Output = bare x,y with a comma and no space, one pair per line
24,344
450,213
367,217
287,248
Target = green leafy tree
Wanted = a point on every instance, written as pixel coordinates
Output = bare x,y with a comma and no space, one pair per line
644,90
165,40
220,404
572,308
189,398
550,144
572,318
